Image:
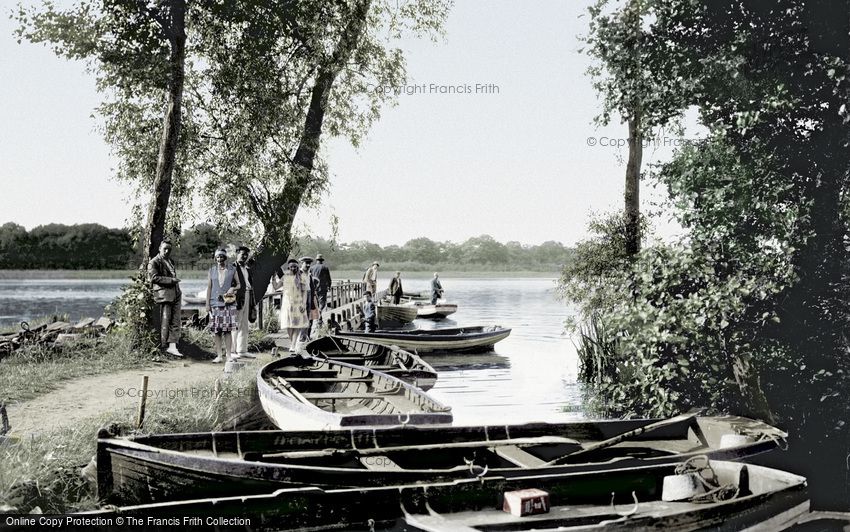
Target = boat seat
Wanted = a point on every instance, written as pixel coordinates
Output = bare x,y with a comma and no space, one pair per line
517,456
341,395
329,379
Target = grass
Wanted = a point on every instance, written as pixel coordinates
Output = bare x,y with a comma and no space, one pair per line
37,369
48,471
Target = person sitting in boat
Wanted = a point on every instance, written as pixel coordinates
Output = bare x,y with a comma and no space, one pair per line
222,285
436,289
293,303
395,290
369,313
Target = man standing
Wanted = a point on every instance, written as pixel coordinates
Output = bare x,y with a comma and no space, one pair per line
322,275
245,303
436,289
312,300
371,278
395,289
167,295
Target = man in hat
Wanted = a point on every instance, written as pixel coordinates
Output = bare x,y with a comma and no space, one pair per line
312,303
245,303
322,275
166,294
395,290
371,278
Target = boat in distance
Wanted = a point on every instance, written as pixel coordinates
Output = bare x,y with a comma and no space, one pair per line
164,467
437,311
310,392
448,340
749,497
387,359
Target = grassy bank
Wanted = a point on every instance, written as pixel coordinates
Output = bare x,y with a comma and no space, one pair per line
35,370
48,470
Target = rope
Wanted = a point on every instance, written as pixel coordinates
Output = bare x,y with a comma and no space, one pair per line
714,492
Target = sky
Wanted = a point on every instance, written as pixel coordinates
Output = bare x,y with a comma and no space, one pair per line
512,152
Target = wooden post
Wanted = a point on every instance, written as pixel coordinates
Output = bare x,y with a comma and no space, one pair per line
140,418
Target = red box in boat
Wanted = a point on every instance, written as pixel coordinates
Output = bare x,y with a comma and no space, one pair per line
526,502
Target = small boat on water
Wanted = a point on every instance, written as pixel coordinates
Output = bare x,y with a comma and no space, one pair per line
437,311
390,315
318,393
454,339
748,497
165,467
387,359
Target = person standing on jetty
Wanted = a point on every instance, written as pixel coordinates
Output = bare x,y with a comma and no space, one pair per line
395,290
293,303
166,294
370,278
222,287
312,298
436,289
246,306
322,274
369,313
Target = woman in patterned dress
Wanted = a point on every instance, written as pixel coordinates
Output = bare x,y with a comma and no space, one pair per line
222,284
293,304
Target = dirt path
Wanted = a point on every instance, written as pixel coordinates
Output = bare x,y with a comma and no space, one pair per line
88,396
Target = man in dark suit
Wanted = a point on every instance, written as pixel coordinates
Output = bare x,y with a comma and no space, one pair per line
166,294
395,290
322,275
245,303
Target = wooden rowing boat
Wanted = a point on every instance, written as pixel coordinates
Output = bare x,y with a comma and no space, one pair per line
387,359
449,340
390,315
437,311
155,468
752,498
315,393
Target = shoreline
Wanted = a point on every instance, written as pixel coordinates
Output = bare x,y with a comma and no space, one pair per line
340,275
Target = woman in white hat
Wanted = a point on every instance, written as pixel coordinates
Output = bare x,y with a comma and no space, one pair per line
293,304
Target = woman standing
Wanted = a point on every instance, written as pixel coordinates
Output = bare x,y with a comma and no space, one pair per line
222,284
293,305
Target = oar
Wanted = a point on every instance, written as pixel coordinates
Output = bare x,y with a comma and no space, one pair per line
610,442
535,440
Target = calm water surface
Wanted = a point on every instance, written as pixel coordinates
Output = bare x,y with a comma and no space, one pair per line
531,376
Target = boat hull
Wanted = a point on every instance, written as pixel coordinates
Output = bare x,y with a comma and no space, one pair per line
159,468
356,396
431,341
579,502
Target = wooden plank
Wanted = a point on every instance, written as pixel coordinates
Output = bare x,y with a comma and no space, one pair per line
329,379
341,395
517,456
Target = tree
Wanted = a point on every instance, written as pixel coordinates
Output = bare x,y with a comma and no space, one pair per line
137,51
761,277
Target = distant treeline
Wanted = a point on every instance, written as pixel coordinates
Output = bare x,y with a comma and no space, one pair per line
93,246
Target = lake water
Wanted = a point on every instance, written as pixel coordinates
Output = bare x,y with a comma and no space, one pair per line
531,376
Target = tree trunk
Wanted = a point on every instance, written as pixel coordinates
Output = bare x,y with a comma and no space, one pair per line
276,242
749,384
175,29
632,195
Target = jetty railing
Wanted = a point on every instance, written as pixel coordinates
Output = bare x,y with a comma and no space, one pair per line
343,303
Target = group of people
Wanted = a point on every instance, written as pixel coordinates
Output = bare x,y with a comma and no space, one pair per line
304,290
394,292
231,304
